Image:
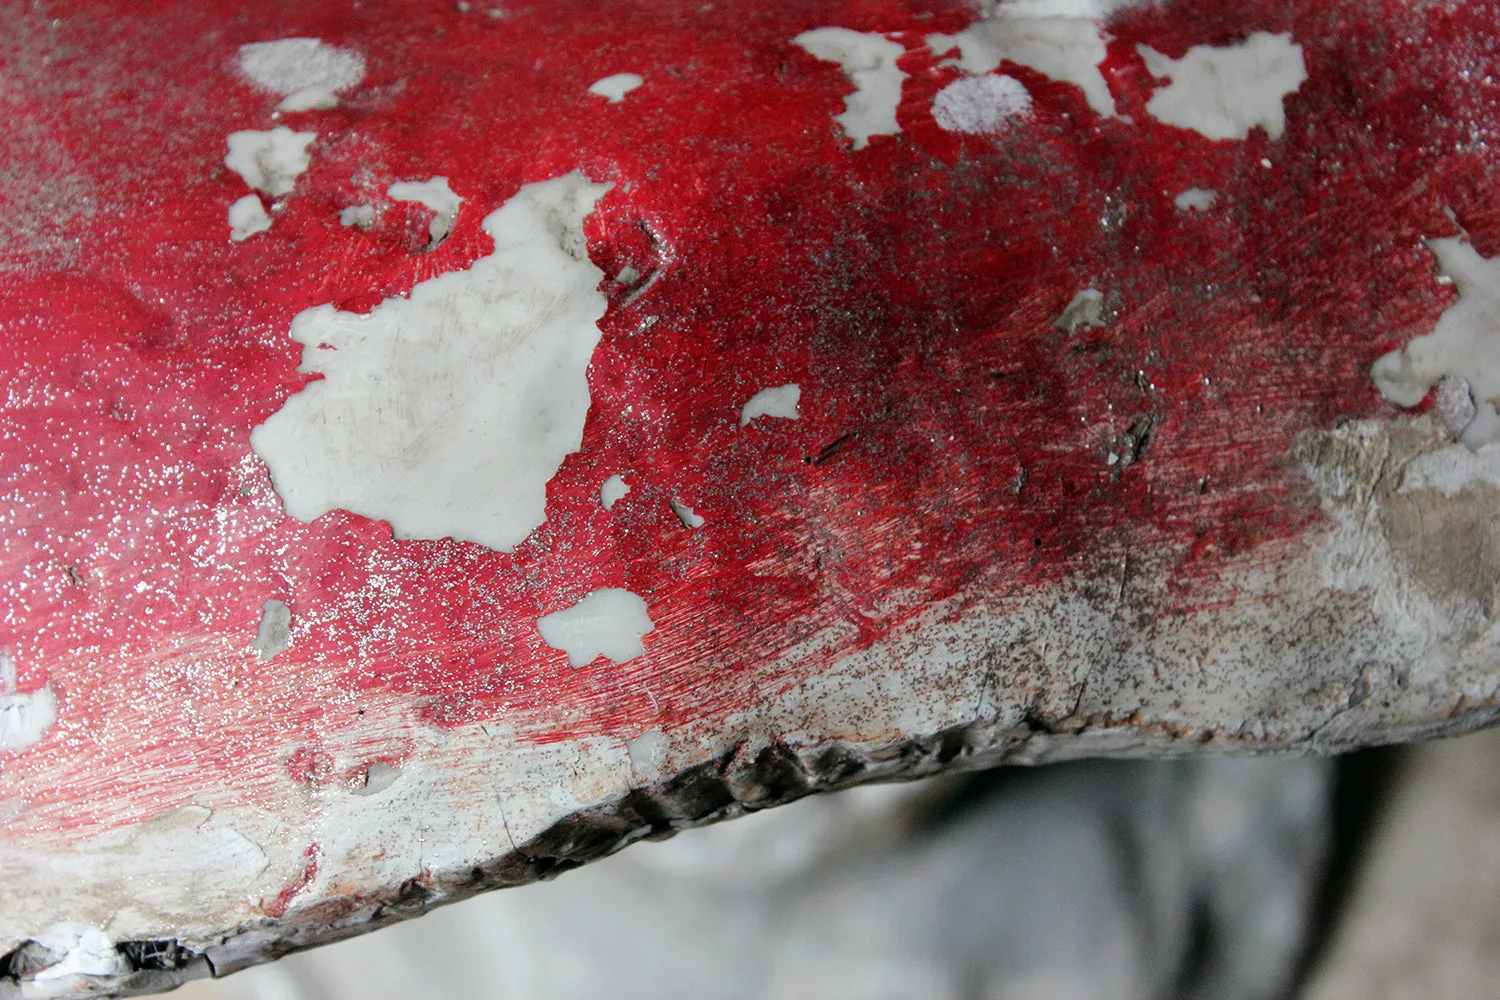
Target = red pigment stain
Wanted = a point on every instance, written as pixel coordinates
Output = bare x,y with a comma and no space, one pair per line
953,442
277,907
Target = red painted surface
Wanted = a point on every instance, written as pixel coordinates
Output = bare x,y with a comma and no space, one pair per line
952,441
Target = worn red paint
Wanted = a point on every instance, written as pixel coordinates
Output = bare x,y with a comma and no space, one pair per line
277,907
952,441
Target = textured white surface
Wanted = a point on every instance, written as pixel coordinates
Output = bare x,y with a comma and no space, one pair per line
1464,345
288,65
445,413
24,718
1067,49
777,401
868,59
1195,200
1223,92
270,161
612,490
247,216
614,88
980,104
433,193
609,623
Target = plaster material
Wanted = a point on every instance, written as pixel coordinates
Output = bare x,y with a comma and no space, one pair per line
306,71
274,633
1068,49
1195,200
778,401
270,161
980,104
1222,92
612,490
247,216
1464,345
434,194
446,412
24,717
614,88
609,622
868,59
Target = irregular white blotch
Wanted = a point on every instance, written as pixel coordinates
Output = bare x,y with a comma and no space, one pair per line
270,161
1223,92
780,401
1195,200
609,623
1084,311
85,951
378,777
614,88
1066,48
434,193
612,490
247,216
446,412
685,514
293,65
1452,469
648,752
980,104
309,99
868,59
274,634
357,215
1465,343
24,718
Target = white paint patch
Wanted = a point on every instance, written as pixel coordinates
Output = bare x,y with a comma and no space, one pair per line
247,216
1195,200
270,161
614,88
1453,469
446,412
1465,343
302,67
85,951
609,623
1084,311
357,215
309,99
1068,49
24,718
648,752
612,491
980,104
274,634
1222,92
435,194
868,59
780,401
685,514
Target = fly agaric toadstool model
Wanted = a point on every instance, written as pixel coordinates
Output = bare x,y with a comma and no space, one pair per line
443,444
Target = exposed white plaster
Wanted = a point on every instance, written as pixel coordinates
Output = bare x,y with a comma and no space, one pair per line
309,99
1451,470
433,193
378,777
274,634
247,216
1084,311
1223,92
609,623
648,752
778,401
357,215
980,104
24,718
85,951
685,514
612,490
301,66
868,59
1465,343
614,88
1068,49
270,161
446,412
1195,200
